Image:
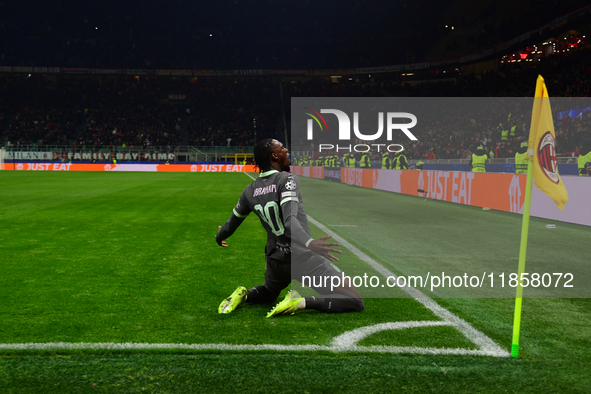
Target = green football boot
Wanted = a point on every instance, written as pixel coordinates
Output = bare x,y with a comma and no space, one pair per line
289,304
232,302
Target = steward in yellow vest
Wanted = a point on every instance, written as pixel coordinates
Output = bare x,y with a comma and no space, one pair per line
400,162
386,161
478,160
520,162
350,160
365,162
504,135
584,159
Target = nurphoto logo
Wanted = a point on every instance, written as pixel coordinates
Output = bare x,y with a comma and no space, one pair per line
345,129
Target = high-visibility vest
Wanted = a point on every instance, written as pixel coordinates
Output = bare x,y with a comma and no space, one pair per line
365,162
385,161
478,163
520,163
351,162
398,165
505,135
582,160
512,133
491,154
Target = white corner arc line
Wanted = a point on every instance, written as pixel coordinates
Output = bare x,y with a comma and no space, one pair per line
352,338
484,343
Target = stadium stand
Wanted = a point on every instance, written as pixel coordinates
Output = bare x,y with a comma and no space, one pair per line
236,110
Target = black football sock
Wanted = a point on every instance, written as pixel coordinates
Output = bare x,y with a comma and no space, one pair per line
260,295
335,303
317,303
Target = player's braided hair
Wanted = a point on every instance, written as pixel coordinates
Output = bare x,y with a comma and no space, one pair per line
262,154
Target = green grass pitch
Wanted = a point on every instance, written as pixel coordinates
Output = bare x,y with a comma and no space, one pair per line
131,258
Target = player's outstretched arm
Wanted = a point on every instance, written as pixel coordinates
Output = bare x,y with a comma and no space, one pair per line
220,241
323,248
225,231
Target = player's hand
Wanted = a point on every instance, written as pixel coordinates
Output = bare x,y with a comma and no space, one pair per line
221,242
323,248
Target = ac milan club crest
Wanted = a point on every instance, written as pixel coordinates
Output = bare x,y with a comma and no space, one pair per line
547,156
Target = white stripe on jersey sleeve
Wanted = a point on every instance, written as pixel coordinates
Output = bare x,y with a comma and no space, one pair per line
289,199
238,215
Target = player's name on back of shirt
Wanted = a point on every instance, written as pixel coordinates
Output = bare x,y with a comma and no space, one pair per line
259,191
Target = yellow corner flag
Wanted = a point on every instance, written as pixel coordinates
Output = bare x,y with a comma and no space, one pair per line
542,146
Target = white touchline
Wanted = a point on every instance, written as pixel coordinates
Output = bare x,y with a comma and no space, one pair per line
484,343
56,346
344,343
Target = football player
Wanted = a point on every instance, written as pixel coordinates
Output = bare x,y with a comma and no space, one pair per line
276,199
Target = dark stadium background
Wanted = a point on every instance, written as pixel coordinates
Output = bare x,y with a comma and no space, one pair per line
264,34
265,53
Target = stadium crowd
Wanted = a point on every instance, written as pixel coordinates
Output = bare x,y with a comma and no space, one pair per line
236,111
131,125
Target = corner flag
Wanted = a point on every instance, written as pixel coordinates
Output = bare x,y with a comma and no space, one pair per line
542,146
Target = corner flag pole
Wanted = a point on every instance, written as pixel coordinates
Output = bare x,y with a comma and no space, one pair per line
522,253
541,139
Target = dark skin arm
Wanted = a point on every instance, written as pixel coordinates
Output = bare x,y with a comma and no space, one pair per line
228,229
223,241
323,248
